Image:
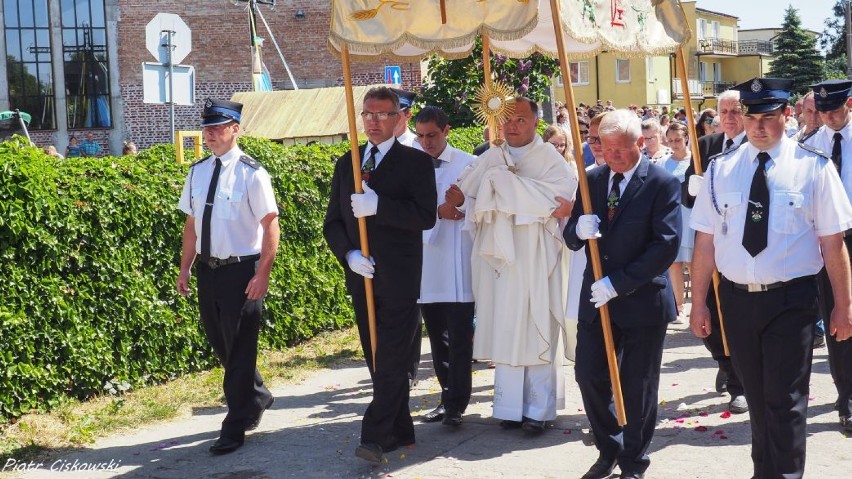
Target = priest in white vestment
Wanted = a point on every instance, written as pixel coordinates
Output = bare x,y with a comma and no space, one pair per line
509,195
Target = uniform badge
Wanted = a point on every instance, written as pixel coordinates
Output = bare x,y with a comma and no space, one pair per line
823,93
756,86
756,216
208,103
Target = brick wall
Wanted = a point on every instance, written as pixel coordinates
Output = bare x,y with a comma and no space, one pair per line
221,57
45,138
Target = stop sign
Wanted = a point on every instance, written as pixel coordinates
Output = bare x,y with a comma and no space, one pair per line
156,36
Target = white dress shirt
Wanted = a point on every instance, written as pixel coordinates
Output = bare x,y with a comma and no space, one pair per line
244,196
807,201
823,140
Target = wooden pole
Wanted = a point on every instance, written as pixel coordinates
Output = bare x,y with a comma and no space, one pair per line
696,162
592,244
356,174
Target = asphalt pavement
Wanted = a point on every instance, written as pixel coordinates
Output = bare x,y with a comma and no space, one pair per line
312,430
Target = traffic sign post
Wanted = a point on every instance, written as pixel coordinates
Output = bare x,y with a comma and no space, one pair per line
393,75
169,39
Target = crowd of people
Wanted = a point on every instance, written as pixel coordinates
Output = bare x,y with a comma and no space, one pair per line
88,147
490,251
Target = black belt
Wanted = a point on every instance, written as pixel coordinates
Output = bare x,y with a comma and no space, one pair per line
757,288
214,263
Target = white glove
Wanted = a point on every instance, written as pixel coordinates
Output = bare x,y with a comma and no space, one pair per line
694,186
366,203
587,227
602,291
359,264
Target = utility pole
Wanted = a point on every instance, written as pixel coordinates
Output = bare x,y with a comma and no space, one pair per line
848,15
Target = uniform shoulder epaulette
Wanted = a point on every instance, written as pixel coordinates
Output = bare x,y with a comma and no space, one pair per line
201,161
250,162
809,135
817,151
726,152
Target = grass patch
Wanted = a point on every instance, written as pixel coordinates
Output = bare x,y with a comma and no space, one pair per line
75,423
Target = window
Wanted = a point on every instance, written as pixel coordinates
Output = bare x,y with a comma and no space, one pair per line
702,27
702,71
86,63
716,31
717,72
622,71
579,73
29,71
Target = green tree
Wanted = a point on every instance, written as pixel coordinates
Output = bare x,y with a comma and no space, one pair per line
796,54
452,84
833,39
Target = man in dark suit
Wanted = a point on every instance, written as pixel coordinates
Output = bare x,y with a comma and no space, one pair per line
399,202
639,233
732,136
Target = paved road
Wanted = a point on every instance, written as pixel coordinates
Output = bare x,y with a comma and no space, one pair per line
312,430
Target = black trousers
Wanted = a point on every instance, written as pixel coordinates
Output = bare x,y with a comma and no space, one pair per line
714,344
771,345
387,420
415,351
232,323
450,328
839,352
640,354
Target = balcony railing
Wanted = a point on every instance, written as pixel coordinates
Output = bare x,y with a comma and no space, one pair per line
755,47
715,46
700,89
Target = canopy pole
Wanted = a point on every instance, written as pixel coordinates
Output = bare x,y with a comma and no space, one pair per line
585,196
696,162
356,174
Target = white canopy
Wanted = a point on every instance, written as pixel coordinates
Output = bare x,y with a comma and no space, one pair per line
412,29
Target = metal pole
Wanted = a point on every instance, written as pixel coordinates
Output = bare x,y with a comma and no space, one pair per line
848,16
171,48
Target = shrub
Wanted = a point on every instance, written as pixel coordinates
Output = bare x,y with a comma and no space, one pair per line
90,249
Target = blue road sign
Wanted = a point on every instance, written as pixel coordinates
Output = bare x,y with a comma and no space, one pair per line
393,75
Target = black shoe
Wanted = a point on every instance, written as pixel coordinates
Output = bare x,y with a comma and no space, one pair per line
370,451
533,426
452,418
846,423
252,425
819,341
435,415
632,475
601,469
225,444
509,424
721,381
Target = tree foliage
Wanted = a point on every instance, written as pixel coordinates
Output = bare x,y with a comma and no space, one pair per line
796,54
833,39
452,84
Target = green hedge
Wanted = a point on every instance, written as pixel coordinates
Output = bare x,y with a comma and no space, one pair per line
89,252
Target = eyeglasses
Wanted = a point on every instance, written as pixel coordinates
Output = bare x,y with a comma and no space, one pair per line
559,146
584,132
649,138
593,139
709,121
381,115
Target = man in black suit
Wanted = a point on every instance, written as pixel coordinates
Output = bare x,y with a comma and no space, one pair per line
399,202
732,136
639,233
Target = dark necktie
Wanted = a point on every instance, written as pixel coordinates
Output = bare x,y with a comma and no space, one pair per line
370,164
614,195
208,212
836,153
436,162
729,144
757,215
